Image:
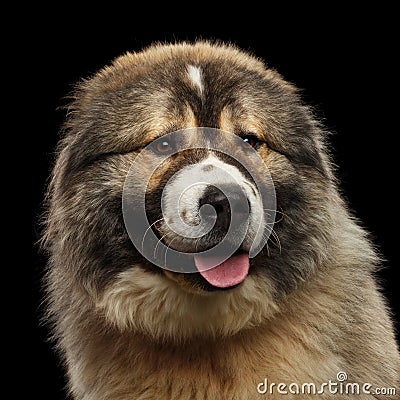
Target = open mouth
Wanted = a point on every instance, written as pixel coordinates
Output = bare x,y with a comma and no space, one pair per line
209,277
227,274
221,270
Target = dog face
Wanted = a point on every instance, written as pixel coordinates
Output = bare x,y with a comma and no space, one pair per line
207,208
130,109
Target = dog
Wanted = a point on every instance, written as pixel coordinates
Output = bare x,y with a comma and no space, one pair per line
294,305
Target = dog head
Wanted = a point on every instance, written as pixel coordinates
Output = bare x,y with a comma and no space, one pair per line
209,130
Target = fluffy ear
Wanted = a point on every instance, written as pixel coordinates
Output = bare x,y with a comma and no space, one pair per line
303,145
294,131
310,151
82,133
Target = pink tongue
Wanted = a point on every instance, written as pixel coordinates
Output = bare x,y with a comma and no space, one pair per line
229,273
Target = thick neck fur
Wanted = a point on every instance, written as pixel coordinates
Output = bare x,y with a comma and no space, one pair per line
304,337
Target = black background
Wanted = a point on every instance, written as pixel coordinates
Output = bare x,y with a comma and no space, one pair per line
345,64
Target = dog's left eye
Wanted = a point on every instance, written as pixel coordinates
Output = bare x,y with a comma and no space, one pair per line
250,142
163,147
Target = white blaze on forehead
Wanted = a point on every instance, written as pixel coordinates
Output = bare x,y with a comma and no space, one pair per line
195,77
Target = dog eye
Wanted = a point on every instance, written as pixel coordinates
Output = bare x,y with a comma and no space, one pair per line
163,147
250,141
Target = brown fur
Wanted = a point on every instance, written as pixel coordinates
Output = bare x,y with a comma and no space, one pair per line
135,334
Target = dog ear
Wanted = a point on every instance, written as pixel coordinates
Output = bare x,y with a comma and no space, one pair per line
305,147
309,153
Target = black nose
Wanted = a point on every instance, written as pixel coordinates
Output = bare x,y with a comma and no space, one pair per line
230,204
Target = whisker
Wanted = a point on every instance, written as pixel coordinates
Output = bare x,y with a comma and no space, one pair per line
196,244
272,210
268,252
277,240
158,242
269,236
144,236
166,251
282,214
286,216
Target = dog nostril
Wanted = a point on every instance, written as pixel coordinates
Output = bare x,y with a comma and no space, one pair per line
216,199
219,208
224,202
